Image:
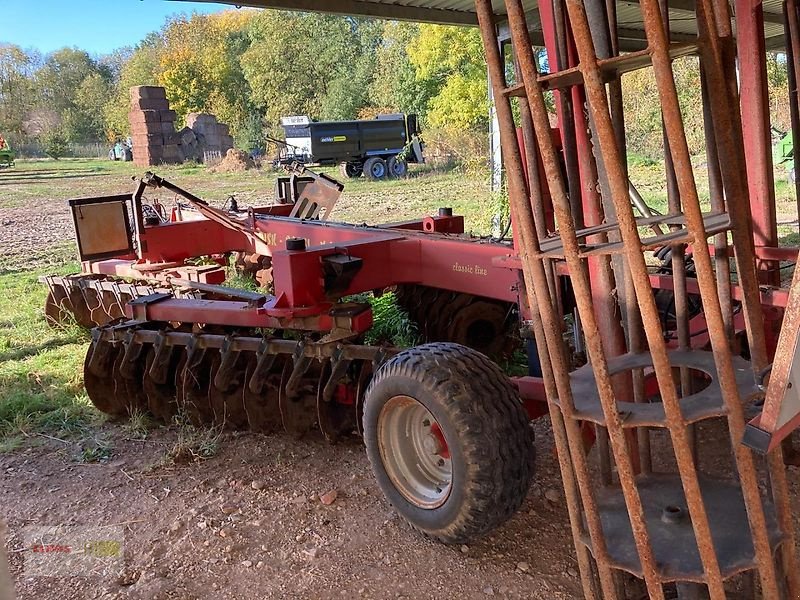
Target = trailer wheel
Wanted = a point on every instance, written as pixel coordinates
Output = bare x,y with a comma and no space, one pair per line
375,168
398,167
448,441
351,170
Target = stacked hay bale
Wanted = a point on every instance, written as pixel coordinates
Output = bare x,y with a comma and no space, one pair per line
153,134
210,136
152,123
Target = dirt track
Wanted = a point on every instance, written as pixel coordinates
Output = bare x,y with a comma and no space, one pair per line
201,530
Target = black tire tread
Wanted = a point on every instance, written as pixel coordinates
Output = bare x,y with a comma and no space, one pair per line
434,317
485,406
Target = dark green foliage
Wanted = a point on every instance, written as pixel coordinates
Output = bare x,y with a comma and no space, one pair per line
54,143
391,324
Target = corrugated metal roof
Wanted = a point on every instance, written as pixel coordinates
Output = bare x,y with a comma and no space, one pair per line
462,12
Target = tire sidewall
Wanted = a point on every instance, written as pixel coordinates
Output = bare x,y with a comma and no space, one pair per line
378,169
370,165
395,162
429,520
351,170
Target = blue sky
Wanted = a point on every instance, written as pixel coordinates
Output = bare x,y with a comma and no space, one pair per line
98,26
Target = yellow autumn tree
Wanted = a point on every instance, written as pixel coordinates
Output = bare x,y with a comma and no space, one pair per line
200,66
450,63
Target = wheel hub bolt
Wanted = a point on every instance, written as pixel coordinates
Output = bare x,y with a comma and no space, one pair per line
431,444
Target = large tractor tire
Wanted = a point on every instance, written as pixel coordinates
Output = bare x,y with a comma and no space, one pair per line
448,440
375,168
351,170
398,167
484,324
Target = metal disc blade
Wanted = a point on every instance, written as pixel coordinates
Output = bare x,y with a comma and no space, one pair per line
80,309
262,410
129,390
299,413
228,403
161,400
193,390
94,302
54,311
98,377
111,305
335,418
364,377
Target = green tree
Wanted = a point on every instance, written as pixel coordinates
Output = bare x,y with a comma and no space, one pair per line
395,86
305,63
778,86
200,68
54,143
643,108
141,67
16,91
449,61
74,86
348,91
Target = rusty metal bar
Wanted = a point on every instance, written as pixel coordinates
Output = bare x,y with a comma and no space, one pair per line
791,28
583,294
754,101
567,118
606,274
678,254
599,106
722,266
534,187
665,82
724,122
565,460
533,270
718,60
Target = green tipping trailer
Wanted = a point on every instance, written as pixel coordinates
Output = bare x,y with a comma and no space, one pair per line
377,148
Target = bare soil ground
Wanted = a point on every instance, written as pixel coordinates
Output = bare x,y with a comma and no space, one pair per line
35,223
202,530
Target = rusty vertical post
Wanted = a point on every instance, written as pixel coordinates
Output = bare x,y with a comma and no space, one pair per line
598,104
627,505
583,293
534,185
678,254
727,128
722,266
536,282
586,206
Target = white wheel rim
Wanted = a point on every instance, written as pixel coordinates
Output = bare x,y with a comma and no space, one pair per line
414,452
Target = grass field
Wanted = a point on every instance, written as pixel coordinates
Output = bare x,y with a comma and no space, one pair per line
41,384
41,391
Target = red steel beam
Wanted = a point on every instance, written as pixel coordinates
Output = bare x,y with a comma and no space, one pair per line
242,314
756,128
